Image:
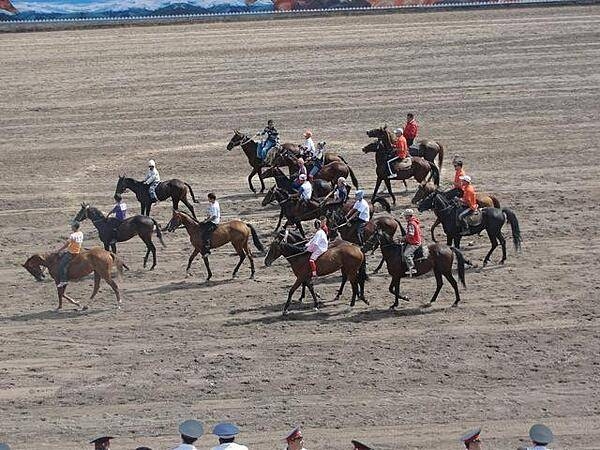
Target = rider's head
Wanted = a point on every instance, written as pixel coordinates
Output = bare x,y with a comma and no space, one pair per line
359,194
409,117
302,177
307,134
269,123
118,197
211,197
408,213
151,164
398,131
457,163
317,224
300,161
75,225
341,181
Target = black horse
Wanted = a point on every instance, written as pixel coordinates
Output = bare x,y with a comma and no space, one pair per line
137,225
492,221
320,187
175,189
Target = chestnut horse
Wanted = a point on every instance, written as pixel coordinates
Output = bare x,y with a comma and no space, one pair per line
175,189
234,231
384,151
483,200
341,255
439,260
96,260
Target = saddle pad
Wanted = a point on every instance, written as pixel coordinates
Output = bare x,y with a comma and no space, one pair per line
403,165
474,219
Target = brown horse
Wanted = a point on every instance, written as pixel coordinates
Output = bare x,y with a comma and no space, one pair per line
439,260
483,200
342,256
330,171
141,226
384,151
96,260
175,189
428,149
320,187
234,231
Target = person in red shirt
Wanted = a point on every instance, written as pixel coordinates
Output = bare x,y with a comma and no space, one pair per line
411,129
402,154
457,189
469,202
412,240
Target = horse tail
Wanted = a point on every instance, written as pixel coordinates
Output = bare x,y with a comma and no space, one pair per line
514,226
383,202
440,155
402,230
495,201
435,174
191,192
460,262
158,232
255,239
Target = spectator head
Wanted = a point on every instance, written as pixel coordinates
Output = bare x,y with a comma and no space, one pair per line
270,122
295,440
151,164
457,162
359,195
226,432
357,445
102,442
300,161
143,448
307,134
409,117
471,439
540,434
190,431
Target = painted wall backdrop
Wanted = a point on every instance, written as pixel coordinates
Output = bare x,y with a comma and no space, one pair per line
73,9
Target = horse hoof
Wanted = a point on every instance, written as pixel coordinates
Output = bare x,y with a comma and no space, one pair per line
454,305
285,312
427,305
406,299
393,307
85,308
316,309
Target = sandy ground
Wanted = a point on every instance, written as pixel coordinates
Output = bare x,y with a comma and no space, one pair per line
514,91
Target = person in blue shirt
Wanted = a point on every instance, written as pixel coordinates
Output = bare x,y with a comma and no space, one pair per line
120,212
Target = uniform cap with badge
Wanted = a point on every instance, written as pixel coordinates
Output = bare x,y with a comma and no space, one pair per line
471,436
191,428
541,434
293,435
225,430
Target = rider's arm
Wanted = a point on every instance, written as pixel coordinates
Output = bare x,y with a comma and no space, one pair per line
351,214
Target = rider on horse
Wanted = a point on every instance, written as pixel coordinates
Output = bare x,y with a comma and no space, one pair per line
317,245
213,218
457,189
401,153
469,202
412,240
305,190
301,171
340,193
361,207
314,153
411,129
120,212
271,140
152,179
73,247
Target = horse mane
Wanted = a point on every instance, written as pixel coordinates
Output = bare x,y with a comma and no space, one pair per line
390,137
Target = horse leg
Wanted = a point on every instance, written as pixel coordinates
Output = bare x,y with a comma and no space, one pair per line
454,284
379,266
295,286
433,227
96,285
237,267
279,222
148,208
311,289
396,282
405,186
503,244
377,184
192,257
60,291
494,243
254,171
251,258
440,283
262,183
388,185
303,294
189,206
299,225
113,248
115,289
341,289
207,264
150,247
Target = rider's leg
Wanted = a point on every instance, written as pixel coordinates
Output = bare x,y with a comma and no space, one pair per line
391,171
409,252
462,219
63,269
360,232
210,227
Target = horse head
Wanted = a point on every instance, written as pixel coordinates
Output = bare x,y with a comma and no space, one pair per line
236,139
372,147
35,266
428,202
120,185
423,191
373,242
83,212
275,248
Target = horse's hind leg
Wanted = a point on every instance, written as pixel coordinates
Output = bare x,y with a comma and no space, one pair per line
207,265
494,243
115,289
388,185
242,256
311,289
96,285
251,259
341,289
190,206
440,283
405,186
150,247
503,244
379,266
433,227
454,284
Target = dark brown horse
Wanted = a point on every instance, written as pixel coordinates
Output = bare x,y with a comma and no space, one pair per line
439,260
141,226
343,256
483,200
428,149
420,169
234,231
320,187
330,171
96,260
175,189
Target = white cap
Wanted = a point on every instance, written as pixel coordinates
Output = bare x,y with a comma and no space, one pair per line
408,212
151,163
466,178
398,131
302,177
359,194
341,180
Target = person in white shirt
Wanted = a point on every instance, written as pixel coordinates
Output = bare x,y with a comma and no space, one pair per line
213,218
152,179
227,432
305,190
361,211
317,246
540,436
295,440
190,431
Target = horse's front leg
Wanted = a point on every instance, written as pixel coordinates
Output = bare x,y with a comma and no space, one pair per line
254,171
207,265
295,286
192,256
377,184
279,222
435,224
388,185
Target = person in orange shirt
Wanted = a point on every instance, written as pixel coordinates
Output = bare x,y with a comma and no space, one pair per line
457,189
401,152
73,247
411,129
469,202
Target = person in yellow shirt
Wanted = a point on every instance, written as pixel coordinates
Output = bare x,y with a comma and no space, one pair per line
73,247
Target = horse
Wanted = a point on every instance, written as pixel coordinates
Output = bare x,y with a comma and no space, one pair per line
320,187
295,211
340,256
330,171
428,149
96,260
439,259
234,231
420,168
492,221
483,201
141,226
175,189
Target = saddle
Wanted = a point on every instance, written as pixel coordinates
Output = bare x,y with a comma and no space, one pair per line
403,164
474,219
421,253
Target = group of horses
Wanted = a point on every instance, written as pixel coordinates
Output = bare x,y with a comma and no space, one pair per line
344,255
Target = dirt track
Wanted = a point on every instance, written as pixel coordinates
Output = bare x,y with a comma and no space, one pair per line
514,91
